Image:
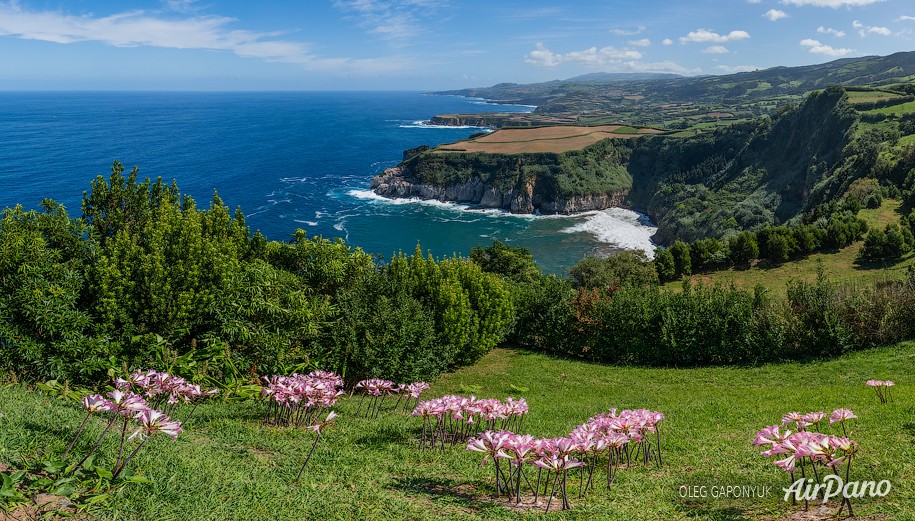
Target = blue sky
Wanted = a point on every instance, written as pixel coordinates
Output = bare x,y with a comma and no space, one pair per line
422,44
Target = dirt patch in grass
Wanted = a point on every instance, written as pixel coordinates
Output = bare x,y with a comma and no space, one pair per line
553,139
42,506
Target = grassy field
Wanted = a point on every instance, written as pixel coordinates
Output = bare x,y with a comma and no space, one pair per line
902,108
841,266
870,96
543,139
228,466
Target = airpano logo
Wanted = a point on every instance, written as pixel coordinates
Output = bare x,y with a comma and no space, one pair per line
834,487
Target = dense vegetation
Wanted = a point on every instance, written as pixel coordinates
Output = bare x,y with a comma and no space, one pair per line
145,278
751,174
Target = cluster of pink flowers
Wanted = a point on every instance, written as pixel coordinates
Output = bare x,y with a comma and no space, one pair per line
454,418
882,388
630,427
814,453
616,436
377,390
295,400
164,391
129,408
555,455
414,390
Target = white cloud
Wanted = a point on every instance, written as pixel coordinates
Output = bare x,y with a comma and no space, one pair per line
182,6
754,1
628,32
705,35
775,14
835,32
395,20
665,66
667,41
607,58
737,68
138,28
815,47
592,57
716,49
831,3
904,18
864,30
644,42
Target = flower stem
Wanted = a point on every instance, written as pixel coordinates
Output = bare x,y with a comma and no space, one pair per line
97,443
130,457
78,433
301,470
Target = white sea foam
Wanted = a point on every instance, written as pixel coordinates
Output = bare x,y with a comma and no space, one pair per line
623,228
531,107
309,223
368,195
423,124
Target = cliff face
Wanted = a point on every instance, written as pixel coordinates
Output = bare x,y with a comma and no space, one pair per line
471,120
526,197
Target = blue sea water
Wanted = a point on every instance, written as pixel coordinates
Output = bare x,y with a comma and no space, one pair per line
288,160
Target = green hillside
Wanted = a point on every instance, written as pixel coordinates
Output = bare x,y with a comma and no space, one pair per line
715,183
647,101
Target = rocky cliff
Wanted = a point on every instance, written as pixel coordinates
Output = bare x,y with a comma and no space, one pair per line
527,196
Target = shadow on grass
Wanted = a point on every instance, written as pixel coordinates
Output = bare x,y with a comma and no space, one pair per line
890,264
60,432
384,435
909,429
439,490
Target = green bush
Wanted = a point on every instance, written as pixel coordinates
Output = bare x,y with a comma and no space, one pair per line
628,268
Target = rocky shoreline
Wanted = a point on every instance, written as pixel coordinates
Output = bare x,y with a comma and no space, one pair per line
527,198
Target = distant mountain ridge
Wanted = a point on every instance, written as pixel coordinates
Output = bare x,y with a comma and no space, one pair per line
591,90
622,76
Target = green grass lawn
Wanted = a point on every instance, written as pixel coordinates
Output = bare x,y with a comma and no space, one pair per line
902,108
228,466
841,266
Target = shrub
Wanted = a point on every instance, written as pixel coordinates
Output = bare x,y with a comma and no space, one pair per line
628,268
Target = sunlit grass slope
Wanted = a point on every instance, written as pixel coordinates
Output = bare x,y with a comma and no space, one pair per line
228,466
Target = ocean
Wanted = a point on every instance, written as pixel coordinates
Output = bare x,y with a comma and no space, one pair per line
288,160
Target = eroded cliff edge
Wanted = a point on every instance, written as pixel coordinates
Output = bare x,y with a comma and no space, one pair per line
567,183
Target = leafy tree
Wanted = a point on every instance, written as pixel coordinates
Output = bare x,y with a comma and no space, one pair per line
778,248
744,249
514,263
890,243
123,203
664,264
842,229
45,331
682,258
708,253
627,268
